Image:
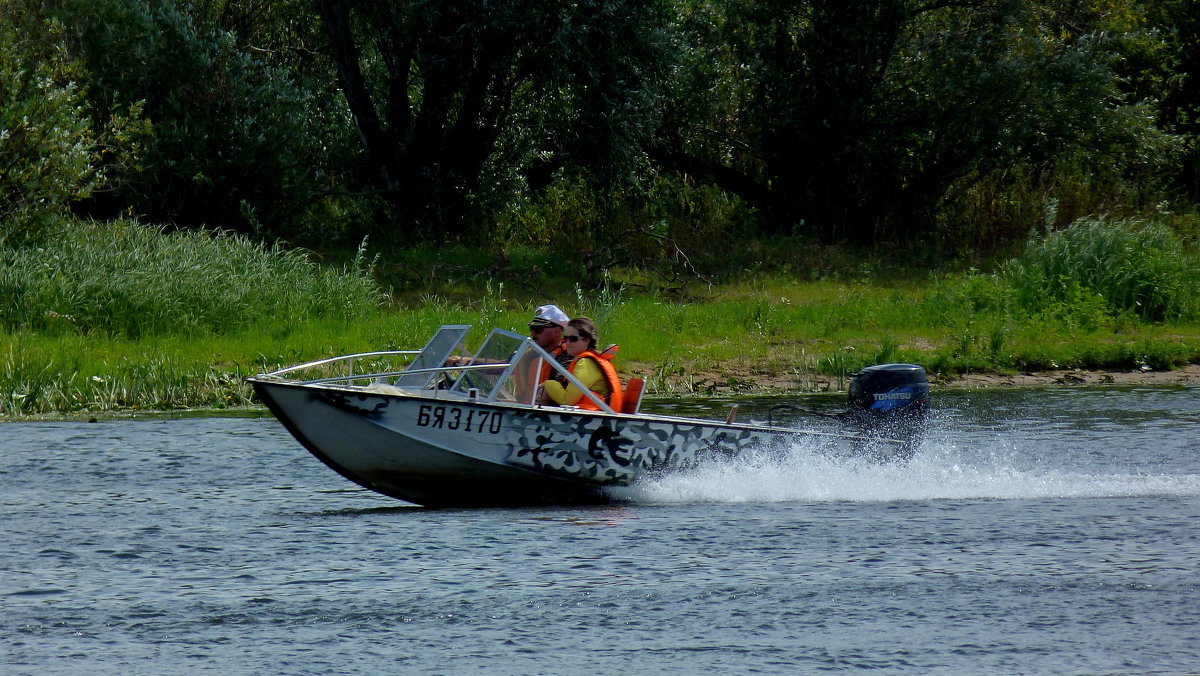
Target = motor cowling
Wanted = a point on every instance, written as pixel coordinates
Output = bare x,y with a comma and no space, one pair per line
888,387
891,401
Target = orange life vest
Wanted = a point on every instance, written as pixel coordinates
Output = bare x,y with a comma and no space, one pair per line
531,372
604,359
546,370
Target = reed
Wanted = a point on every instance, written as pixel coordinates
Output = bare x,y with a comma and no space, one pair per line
125,279
168,347
678,348
1131,266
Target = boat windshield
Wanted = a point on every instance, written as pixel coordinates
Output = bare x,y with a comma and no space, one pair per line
447,341
508,367
513,358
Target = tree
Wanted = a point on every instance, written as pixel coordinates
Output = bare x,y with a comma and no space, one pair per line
51,153
861,117
1172,72
457,104
235,140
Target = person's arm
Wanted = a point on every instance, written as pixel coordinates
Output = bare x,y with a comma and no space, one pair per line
569,395
588,373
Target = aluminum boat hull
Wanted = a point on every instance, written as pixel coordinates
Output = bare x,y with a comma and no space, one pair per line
436,451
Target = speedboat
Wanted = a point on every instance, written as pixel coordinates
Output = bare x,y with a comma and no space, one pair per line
408,425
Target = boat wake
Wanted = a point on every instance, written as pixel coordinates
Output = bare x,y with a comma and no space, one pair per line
937,473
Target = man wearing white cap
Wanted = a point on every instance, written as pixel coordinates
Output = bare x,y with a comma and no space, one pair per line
547,326
546,329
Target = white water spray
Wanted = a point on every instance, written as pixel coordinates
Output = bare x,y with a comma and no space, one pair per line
938,472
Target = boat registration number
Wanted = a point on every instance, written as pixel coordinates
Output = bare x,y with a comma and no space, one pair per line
455,418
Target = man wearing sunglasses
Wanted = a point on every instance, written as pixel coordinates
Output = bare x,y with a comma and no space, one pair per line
546,329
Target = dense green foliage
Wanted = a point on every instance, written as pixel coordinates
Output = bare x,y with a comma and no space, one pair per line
650,130
46,136
459,106
864,118
237,142
1131,267
814,172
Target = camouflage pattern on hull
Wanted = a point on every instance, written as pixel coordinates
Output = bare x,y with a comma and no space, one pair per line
438,449
616,452
595,448
441,431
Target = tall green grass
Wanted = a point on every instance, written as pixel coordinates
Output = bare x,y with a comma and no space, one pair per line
808,338
125,279
72,373
1126,266
108,318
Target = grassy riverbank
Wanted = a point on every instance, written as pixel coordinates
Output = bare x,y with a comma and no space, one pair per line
800,337
118,317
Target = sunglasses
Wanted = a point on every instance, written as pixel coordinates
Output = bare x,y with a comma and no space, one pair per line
573,339
537,329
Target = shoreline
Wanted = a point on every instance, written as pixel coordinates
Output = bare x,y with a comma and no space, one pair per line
1186,375
718,384
761,381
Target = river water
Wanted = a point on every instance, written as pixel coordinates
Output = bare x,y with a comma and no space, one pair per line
1036,531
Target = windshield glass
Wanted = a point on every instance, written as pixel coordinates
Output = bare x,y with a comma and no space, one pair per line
447,341
516,363
509,367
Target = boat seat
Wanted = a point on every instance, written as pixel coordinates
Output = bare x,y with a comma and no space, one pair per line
633,395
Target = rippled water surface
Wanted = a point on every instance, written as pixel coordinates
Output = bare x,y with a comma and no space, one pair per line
1036,532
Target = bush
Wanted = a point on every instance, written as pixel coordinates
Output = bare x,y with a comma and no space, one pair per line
1135,266
122,278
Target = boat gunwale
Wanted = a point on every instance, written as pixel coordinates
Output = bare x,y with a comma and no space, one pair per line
525,345
561,410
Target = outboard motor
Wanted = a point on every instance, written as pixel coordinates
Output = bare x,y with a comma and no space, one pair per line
890,401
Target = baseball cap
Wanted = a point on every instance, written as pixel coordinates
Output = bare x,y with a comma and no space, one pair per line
547,315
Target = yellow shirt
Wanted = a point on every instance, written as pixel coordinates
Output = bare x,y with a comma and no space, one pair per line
588,372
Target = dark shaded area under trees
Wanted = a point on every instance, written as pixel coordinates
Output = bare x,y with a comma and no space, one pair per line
953,125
